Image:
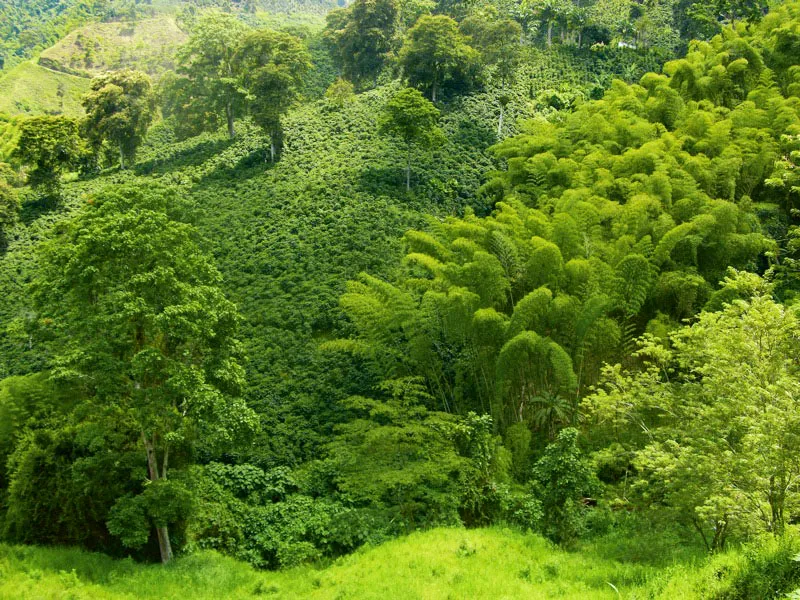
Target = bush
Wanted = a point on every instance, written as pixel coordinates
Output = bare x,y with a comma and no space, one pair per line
771,569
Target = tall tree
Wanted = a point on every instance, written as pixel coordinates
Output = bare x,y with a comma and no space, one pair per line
498,41
412,118
48,145
436,54
210,83
548,12
360,37
119,109
272,65
148,335
705,19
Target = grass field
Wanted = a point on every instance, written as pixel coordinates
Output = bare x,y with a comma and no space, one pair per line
29,89
439,564
443,563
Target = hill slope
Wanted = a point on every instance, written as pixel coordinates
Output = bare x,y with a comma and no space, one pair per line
148,45
288,236
30,89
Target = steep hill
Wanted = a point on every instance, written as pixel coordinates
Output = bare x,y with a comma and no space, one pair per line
148,45
30,89
288,236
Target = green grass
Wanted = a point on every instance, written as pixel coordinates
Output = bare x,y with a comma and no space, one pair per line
149,45
30,89
441,563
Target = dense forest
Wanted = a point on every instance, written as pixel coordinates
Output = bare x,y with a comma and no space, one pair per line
289,281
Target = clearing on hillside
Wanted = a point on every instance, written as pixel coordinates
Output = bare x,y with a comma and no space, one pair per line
29,89
148,45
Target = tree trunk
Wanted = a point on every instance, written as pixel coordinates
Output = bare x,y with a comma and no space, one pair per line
121,157
434,90
777,502
229,117
408,168
275,142
500,122
549,34
162,532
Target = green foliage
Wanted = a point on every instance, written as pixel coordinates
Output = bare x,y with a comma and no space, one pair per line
339,93
272,66
23,400
63,479
590,228
9,134
142,327
119,110
207,82
497,39
626,211
9,207
435,56
770,566
265,518
161,503
563,479
396,455
718,409
413,119
48,146
360,37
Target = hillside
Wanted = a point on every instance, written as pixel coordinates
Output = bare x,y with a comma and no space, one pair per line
148,45
30,89
412,299
304,226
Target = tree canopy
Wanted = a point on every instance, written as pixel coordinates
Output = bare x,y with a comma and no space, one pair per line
412,118
436,55
119,110
143,330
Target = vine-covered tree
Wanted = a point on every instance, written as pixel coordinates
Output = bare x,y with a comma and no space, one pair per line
360,37
271,65
208,85
119,110
564,478
48,146
9,207
498,41
435,54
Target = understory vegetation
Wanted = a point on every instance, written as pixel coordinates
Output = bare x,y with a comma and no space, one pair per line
483,301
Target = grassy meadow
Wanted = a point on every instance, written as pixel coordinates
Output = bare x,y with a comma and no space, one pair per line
443,563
